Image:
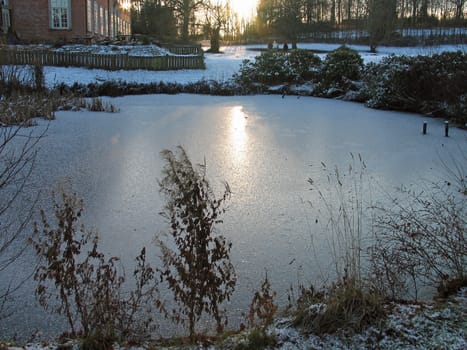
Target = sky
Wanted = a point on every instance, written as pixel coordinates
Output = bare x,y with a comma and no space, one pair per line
244,8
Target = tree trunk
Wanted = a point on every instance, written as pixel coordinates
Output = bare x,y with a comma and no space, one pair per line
381,21
333,11
184,33
215,40
424,11
185,25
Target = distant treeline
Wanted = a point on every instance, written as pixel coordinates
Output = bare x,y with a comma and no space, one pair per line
370,21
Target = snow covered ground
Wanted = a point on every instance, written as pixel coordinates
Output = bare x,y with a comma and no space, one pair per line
411,327
219,67
131,50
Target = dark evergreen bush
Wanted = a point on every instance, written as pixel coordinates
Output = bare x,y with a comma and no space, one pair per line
386,82
340,67
304,64
276,67
434,85
268,68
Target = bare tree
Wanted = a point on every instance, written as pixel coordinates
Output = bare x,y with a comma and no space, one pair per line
459,6
382,15
184,11
218,15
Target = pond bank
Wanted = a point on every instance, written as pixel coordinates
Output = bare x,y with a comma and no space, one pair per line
433,325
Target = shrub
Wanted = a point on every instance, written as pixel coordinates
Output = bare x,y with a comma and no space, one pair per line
262,305
273,67
111,88
200,87
268,68
15,79
97,105
305,65
222,88
197,269
386,88
340,67
88,286
21,109
421,239
427,84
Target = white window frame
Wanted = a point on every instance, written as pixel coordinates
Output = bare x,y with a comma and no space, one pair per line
60,14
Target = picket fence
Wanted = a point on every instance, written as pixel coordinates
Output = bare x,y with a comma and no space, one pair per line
184,58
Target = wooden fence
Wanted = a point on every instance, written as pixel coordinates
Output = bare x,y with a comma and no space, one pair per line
103,61
184,49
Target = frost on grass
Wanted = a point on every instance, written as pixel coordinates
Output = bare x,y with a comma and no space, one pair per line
438,325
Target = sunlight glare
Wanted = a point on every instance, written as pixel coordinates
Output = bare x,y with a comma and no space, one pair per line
238,135
125,4
245,9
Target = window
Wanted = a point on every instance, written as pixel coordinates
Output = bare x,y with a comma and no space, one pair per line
112,29
106,23
5,20
96,17
89,15
60,14
101,12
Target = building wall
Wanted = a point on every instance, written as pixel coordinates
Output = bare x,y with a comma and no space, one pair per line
30,19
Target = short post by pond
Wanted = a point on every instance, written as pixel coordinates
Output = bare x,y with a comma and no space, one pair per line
424,127
446,128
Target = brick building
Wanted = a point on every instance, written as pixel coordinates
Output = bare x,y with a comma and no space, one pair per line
65,20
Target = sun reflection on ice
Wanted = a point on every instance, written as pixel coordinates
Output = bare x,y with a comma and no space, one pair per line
238,134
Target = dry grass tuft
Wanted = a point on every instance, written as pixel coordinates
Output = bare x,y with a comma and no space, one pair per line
22,109
346,306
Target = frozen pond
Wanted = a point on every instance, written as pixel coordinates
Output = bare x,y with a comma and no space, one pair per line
262,146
